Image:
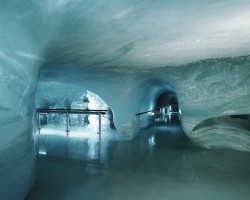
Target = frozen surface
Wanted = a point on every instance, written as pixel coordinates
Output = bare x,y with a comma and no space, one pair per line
128,52
227,132
157,164
163,174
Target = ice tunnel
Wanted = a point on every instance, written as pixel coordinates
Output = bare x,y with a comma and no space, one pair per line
55,95
135,55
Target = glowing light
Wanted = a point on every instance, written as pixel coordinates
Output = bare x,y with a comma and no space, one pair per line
151,141
152,113
42,152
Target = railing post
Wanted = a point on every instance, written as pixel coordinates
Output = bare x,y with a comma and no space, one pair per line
100,125
67,123
39,122
100,134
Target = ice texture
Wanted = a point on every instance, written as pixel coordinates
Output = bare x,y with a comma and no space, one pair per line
127,52
227,132
79,124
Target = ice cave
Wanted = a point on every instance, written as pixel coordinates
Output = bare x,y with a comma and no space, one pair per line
129,99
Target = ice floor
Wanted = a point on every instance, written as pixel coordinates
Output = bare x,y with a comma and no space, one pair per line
157,165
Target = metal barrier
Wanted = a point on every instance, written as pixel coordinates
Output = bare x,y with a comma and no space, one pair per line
70,111
160,116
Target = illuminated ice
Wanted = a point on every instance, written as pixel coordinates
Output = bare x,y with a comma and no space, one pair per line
57,119
126,52
80,125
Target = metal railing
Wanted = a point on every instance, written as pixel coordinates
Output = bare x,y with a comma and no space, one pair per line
70,111
149,111
160,116
167,110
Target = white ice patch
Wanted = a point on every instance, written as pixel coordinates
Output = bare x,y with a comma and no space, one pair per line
123,13
228,112
30,56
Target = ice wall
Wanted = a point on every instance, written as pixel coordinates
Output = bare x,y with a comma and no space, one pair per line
225,132
19,68
205,89
210,89
119,49
117,89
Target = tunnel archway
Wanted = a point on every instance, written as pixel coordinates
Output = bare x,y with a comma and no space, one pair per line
62,96
166,121
72,135
167,108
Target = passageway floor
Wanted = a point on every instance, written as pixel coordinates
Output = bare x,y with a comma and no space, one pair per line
148,167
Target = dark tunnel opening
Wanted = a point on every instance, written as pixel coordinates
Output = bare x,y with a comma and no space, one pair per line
167,127
167,109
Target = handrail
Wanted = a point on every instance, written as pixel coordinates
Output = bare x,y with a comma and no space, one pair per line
154,111
71,111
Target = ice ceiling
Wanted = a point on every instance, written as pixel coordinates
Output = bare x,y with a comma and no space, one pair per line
128,53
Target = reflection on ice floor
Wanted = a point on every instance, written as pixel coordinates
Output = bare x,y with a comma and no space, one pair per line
79,146
86,131
157,164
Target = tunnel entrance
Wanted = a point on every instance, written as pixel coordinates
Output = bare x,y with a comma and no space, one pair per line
167,125
167,109
164,121
77,112
73,127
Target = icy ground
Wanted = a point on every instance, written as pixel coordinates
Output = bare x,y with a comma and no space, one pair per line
157,164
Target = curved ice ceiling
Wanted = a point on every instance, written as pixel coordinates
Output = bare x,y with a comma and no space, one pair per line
147,33
199,48
130,33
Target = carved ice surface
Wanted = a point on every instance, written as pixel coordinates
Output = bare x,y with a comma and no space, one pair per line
80,125
228,132
56,118
128,53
